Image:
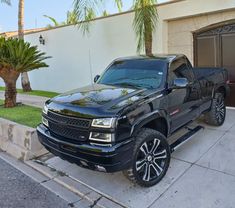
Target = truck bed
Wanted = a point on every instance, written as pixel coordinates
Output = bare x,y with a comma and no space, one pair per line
216,75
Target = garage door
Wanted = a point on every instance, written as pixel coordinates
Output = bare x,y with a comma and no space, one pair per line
216,48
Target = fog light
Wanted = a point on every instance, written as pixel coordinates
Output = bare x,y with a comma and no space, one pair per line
100,168
45,121
102,137
84,163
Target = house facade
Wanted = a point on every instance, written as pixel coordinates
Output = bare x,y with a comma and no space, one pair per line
204,30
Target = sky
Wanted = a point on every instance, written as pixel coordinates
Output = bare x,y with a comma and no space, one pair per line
35,9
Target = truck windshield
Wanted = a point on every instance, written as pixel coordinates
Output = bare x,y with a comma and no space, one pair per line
140,73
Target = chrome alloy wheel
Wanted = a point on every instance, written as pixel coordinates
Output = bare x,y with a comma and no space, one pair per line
151,160
220,109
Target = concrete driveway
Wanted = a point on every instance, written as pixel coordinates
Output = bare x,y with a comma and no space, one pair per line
201,175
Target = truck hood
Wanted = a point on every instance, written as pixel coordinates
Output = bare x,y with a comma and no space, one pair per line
95,100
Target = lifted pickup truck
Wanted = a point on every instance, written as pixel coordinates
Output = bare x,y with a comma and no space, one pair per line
124,120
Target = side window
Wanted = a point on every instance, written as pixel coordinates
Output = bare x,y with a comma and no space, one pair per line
179,69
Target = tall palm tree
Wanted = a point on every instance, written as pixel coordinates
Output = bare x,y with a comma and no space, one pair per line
24,76
144,24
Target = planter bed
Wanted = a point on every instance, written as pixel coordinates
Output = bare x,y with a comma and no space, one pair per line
19,141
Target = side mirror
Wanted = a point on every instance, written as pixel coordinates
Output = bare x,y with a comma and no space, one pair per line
96,78
179,83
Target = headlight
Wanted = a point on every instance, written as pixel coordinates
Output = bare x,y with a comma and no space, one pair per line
102,137
45,109
103,122
45,121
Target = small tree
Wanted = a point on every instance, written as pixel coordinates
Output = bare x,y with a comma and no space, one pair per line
16,57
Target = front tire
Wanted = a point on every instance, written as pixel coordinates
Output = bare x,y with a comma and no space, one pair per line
216,115
151,158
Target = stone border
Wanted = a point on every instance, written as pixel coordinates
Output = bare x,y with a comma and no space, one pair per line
19,141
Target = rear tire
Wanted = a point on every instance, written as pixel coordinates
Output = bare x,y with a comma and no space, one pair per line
151,158
216,116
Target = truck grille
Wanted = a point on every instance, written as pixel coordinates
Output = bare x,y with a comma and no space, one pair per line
71,128
77,122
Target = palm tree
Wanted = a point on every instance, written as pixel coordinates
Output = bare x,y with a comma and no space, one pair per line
144,24
24,76
16,57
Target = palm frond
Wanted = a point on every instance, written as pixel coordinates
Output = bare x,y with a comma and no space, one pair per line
8,2
105,13
119,4
72,17
56,24
85,11
20,56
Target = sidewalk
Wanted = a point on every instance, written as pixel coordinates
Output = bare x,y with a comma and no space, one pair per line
31,100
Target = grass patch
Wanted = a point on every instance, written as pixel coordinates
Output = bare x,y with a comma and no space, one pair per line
35,92
25,115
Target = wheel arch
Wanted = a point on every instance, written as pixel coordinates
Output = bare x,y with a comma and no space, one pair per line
221,89
157,121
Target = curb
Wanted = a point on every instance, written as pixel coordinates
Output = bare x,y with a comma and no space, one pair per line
89,195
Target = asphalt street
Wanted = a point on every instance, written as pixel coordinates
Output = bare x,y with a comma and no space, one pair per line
19,191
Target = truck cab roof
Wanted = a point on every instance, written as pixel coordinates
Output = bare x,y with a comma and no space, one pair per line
163,57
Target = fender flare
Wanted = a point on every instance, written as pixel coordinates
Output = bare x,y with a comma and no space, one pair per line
215,89
138,124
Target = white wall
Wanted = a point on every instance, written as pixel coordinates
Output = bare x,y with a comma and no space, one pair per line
77,59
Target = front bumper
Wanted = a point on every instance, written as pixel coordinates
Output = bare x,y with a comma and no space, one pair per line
101,158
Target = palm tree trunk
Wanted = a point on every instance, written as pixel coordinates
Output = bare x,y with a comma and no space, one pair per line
148,41
148,46
10,94
21,19
25,82
24,76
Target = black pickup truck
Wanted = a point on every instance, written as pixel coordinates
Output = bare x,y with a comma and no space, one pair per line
124,120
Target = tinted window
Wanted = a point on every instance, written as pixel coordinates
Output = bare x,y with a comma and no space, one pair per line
180,69
141,73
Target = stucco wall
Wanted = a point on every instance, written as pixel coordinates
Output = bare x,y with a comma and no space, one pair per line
77,59
180,32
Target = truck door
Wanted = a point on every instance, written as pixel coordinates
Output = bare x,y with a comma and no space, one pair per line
184,103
